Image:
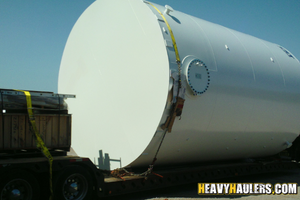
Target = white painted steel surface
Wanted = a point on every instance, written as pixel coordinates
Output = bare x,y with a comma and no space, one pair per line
119,61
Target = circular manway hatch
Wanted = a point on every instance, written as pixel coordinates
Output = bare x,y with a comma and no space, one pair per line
198,76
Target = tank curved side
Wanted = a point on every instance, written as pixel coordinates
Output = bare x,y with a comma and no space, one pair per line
122,67
250,108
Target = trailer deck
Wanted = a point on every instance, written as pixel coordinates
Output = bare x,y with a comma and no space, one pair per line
189,174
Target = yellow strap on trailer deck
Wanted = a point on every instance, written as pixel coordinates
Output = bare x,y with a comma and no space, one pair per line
40,143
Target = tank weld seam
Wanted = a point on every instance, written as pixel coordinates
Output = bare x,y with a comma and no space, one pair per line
176,111
178,61
178,105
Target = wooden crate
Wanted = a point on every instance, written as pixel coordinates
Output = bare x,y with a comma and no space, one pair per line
16,134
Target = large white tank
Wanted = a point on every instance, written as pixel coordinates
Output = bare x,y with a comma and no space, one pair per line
241,93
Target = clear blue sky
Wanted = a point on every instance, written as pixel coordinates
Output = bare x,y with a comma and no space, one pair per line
33,33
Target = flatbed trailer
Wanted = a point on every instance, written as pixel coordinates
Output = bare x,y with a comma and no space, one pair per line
27,173
28,178
191,174
77,178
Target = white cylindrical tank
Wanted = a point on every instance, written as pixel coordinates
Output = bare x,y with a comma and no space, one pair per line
241,93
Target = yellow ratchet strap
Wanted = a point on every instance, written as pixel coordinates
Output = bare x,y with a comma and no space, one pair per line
40,143
174,45
171,33
176,110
